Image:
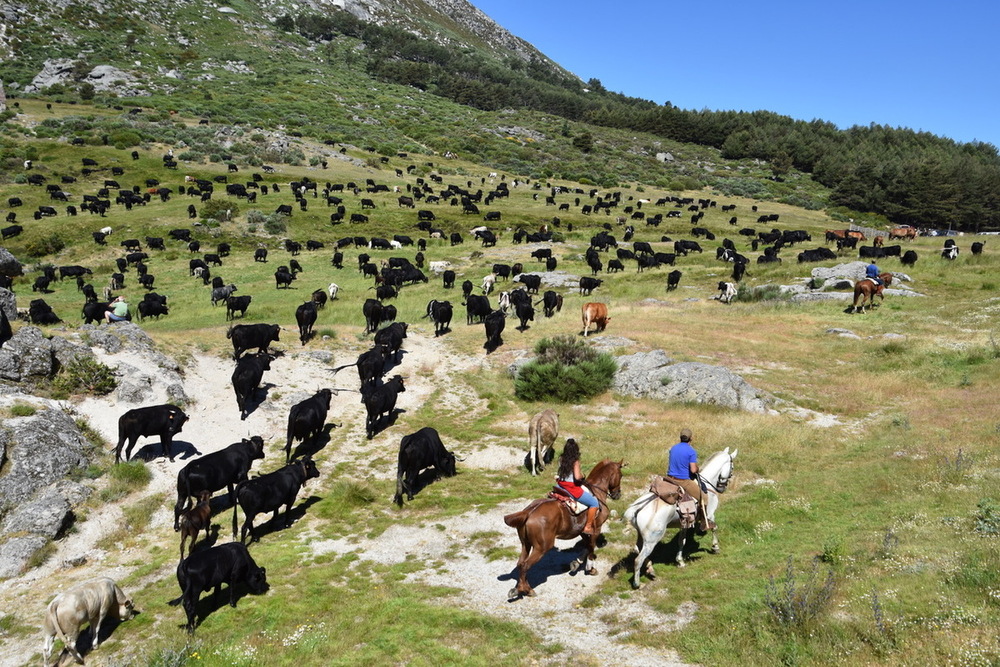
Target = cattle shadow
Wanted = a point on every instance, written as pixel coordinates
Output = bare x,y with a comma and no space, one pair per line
153,450
554,562
204,543
256,399
425,479
86,638
385,422
273,525
211,603
315,445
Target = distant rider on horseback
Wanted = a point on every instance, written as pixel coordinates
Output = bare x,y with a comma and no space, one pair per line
682,470
872,273
570,478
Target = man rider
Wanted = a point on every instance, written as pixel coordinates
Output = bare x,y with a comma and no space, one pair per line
682,470
872,273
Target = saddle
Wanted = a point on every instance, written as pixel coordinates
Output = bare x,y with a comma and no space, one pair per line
673,494
571,503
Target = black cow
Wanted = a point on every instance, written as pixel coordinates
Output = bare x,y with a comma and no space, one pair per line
440,312
817,255
418,451
495,323
551,303
146,280
213,259
94,312
477,307
237,303
305,317
673,279
260,255
40,312
372,310
99,238
247,377
542,253
269,492
615,265
532,283
392,338
642,247
525,313
307,419
249,336
456,239
739,268
41,284
449,279
588,285
163,420
283,278
73,271
152,305
380,401
11,232
909,258
155,243
224,468
229,564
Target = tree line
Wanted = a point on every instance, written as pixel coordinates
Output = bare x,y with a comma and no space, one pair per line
909,177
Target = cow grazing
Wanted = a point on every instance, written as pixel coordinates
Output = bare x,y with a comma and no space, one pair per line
950,253
165,421
247,377
525,313
269,492
248,336
90,602
195,520
307,419
222,293
494,323
283,278
448,278
417,452
543,429
305,317
380,401
152,305
224,468
260,255
229,563
588,284
551,303
489,281
440,313
727,292
236,304
597,314
909,258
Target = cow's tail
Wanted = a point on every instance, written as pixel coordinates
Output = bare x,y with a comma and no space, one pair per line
236,505
340,368
52,619
398,498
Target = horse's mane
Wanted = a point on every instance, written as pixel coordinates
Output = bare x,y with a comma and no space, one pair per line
712,458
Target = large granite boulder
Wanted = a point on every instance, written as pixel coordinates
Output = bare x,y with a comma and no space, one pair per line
29,356
653,374
9,266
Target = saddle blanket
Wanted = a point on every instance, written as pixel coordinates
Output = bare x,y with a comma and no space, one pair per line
571,503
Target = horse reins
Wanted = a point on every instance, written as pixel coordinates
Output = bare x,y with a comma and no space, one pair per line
722,484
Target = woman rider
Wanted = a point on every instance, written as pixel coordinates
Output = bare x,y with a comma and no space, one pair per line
570,479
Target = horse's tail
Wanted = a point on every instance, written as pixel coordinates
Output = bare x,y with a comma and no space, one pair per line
517,519
633,510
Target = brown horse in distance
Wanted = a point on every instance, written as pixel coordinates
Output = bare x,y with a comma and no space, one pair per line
544,520
865,292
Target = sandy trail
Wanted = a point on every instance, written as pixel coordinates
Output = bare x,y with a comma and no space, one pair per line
214,423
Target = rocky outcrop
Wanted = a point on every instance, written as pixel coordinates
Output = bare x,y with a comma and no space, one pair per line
144,374
30,357
654,375
9,266
37,452
8,304
104,78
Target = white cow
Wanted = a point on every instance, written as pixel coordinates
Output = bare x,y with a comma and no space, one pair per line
89,602
727,292
105,230
333,289
439,267
489,280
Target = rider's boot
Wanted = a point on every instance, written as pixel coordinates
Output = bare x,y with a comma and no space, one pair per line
591,517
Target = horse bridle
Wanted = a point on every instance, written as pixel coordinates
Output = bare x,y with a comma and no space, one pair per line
723,483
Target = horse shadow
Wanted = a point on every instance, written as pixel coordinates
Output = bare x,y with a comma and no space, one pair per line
664,553
314,445
555,562
177,448
273,524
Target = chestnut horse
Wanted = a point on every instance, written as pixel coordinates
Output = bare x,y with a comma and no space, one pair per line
865,292
544,520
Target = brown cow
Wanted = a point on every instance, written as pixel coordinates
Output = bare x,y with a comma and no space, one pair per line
849,234
903,233
878,242
195,520
542,433
595,313
91,601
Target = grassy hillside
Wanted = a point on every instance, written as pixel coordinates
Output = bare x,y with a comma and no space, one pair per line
896,501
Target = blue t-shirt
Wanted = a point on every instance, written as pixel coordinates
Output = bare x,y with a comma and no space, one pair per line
871,271
682,455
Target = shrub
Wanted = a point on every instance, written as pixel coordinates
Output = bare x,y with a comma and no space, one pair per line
85,374
220,209
796,603
988,517
762,293
124,139
22,410
275,224
565,370
47,245
124,478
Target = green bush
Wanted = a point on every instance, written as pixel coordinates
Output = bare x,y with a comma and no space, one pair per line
85,374
124,139
47,245
988,517
124,478
22,410
220,209
565,370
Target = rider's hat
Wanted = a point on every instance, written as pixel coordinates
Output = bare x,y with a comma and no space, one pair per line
686,433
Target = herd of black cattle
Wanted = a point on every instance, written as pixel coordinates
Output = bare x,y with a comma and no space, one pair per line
230,467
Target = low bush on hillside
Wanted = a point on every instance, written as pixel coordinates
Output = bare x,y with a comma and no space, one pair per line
85,375
565,370
47,245
762,293
798,600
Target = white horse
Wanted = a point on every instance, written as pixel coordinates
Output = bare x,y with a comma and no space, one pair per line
651,517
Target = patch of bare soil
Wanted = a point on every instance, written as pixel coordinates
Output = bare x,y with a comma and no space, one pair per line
458,561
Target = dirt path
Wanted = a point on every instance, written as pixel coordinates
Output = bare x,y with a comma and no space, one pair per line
214,423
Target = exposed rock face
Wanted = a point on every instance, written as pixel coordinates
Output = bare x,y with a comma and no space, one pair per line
36,500
9,266
30,356
8,304
653,374
143,373
104,78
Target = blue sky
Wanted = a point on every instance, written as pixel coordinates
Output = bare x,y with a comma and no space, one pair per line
931,66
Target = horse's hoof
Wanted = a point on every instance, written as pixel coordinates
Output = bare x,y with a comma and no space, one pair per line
512,595
531,593
635,585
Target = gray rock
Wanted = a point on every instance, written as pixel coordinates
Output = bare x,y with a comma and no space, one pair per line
134,386
47,514
227,10
823,296
652,374
837,331
42,449
27,356
66,352
8,302
9,266
322,356
54,70
15,553
553,278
